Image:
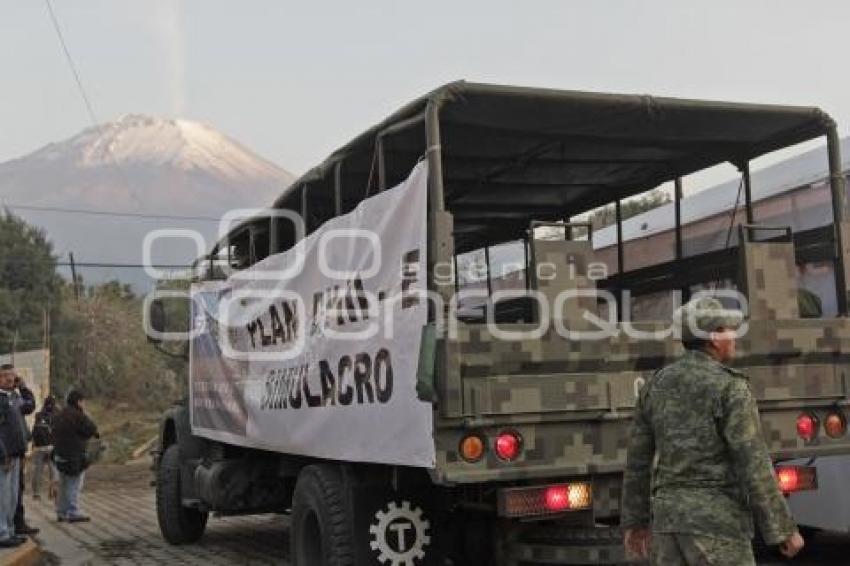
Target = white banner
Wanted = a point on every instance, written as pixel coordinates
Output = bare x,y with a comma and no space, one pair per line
320,358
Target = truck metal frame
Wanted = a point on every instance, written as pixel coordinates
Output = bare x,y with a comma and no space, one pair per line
501,161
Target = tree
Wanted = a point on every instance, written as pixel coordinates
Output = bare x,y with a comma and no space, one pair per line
97,343
607,215
106,352
30,288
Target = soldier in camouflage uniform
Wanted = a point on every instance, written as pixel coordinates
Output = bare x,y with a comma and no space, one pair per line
697,447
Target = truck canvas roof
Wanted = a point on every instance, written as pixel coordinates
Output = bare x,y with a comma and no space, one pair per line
513,154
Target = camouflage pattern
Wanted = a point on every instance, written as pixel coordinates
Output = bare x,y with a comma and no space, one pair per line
562,265
697,441
697,550
541,384
578,422
795,341
572,401
554,449
768,275
486,355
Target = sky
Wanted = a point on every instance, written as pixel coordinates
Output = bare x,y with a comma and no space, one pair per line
295,80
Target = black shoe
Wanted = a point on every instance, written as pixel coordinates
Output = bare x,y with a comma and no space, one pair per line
78,518
12,542
26,530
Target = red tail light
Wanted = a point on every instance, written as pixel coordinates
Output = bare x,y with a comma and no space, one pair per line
788,479
796,478
557,498
807,426
538,501
508,445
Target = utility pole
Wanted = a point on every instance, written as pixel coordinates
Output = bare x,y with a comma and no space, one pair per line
45,384
74,278
80,355
43,328
14,345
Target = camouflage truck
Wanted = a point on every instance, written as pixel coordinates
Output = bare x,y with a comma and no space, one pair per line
492,427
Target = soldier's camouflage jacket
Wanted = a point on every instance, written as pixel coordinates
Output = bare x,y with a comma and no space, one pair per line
697,461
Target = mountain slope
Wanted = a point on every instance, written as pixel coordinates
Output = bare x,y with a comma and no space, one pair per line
137,164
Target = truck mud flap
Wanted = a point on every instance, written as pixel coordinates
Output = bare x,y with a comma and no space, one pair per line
402,528
568,545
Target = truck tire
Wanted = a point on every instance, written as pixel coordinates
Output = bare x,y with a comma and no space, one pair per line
178,524
321,519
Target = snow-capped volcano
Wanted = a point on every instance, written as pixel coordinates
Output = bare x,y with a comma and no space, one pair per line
135,139
115,164
137,164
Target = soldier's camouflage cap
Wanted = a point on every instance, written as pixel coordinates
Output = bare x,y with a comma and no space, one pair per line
699,317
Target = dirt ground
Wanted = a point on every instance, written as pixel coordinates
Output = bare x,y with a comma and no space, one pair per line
125,428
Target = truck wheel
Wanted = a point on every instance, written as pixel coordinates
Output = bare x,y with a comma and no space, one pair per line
321,519
178,524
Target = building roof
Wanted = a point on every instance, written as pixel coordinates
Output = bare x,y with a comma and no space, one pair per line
799,171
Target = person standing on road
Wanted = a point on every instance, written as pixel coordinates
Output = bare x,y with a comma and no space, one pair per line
27,407
13,447
42,441
72,429
697,461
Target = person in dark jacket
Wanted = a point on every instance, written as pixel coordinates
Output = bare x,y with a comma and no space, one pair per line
72,429
27,407
13,447
42,442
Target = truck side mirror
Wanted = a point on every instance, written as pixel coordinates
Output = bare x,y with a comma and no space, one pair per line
167,314
157,318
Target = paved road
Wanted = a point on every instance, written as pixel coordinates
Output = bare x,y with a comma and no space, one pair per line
124,531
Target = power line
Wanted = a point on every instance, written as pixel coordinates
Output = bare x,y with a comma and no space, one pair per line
109,213
24,260
89,108
121,265
71,63
111,265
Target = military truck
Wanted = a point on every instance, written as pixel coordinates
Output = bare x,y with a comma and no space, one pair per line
344,372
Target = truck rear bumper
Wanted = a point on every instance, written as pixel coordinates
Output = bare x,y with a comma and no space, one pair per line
568,545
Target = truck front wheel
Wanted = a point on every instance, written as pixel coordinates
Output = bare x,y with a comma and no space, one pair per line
178,524
321,519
